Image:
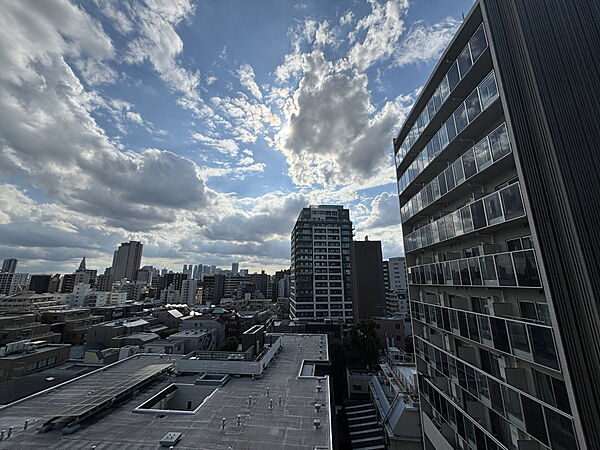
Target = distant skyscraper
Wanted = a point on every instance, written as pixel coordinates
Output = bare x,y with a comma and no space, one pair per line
39,283
368,292
320,287
127,260
188,291
197,272
235,268
396,294
188,269
9,265
497,167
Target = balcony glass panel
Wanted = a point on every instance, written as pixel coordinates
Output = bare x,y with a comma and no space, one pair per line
468,160
473,105
485,331
488,270
442,183
450,128
460,118
511,202
482,154
478,43
467,221
500,334
475,272
455,273
499,142
464,272
526,268
506,274
488,90
532,412
464,61
478,215
459,173
493,209
560,429
519,340
453,76
542,344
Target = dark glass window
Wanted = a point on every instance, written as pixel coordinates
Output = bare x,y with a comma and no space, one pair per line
512,403
506,274
442,228
462,323
443,137
473,330
527,242
478,43
482,154
526,268
467,221
562,435
499,142
459,173
450,178
534,419
499,334
476,279
560,393
460,118
464,61
450,226
518,339
483,385
514,244
468,160
473,105
496,395
453,76
442,184
488,90
478,215
511,201
488,271
493,209
542,344
450,128
543,387
455,273
484,328
464,272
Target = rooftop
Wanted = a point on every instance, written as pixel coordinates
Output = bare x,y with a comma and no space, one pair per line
289,425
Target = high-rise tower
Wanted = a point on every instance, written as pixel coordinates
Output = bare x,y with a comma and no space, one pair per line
499,192
320,283
127,260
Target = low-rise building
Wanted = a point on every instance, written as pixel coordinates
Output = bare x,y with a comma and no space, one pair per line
13,283
18,327
197,339
104,333
22,358
72,324
28,301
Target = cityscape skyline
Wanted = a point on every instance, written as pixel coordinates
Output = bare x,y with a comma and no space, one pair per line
197,153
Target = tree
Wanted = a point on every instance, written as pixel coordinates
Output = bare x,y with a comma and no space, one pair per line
229,345
364,340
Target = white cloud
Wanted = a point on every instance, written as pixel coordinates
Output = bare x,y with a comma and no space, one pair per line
424,43
383,27
333,134
225,146
347,18
246,74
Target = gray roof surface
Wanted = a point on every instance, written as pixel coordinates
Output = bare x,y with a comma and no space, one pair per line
286,426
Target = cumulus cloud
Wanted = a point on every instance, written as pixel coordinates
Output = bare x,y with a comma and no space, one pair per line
225,146
384,211
333,133
51,140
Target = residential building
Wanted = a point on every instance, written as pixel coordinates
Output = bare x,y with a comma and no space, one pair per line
368,291
321,275
39,283
499,194
235,267
127,260
104,281
279,275
19,327
71,324
67,283
9,265
22,358
54,283
213,288
28,301
12,283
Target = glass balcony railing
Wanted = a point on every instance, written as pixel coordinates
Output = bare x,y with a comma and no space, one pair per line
486,152
508,269
498,207
467,58
478,100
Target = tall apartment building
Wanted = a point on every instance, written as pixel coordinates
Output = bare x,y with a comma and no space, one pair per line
320,273
499,191
9,265
127,260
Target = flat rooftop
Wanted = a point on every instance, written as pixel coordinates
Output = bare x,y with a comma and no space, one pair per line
286,426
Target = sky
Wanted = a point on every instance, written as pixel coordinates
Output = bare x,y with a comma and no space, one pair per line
202,128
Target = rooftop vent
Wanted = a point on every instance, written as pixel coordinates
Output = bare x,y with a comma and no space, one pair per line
170,439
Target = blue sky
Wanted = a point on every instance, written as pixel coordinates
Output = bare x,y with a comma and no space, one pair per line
200,127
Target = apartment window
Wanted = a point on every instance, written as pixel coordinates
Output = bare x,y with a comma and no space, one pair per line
482,154
512,403
459,172
468,160
485,330
499,143
488,270
478,43
488,90
467,221
475,272
560,429
532,412
526,268
460,118
499,334
464,61
473,105
478,215
506,275
453,76
493,208
542,344
518,339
